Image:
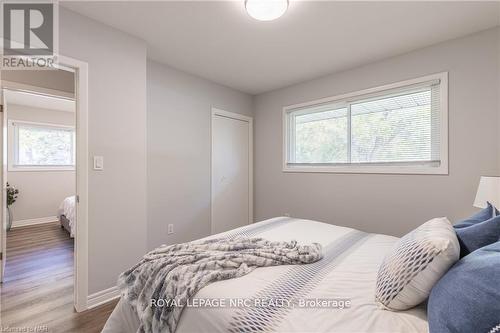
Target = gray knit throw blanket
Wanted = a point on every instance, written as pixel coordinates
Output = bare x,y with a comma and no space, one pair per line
177,272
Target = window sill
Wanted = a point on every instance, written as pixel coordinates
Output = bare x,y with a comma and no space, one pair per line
37,169
369,169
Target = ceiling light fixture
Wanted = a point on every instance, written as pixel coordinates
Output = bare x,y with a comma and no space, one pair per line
266,10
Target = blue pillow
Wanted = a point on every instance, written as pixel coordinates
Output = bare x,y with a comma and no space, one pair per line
481,216
478,235
467,298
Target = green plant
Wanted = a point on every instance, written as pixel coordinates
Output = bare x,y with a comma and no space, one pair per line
12,193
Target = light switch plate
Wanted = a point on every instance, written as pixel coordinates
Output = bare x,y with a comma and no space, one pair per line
98,163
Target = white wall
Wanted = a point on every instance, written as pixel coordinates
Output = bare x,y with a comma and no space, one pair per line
391,204
117,131
54,79
179,115
41,192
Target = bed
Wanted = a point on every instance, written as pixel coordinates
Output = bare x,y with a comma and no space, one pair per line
66,215
346,275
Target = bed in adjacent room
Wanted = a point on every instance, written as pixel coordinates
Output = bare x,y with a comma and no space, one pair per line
345,278
67,215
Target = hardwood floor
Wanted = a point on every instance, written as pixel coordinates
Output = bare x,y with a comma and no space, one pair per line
38,283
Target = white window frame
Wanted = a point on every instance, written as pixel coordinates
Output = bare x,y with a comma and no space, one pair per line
13,147
375,168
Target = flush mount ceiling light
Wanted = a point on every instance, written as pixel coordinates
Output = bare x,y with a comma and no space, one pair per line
266,10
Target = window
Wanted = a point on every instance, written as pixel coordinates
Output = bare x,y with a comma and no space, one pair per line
36,146
398,128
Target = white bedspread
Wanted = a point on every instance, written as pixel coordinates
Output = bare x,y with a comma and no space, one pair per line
67,208
349,275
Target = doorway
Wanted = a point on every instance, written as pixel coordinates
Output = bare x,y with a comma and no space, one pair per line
232,171
79,280
40,182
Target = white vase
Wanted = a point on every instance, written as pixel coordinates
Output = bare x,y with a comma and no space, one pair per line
9,218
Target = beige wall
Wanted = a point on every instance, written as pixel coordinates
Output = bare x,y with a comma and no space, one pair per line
41,192
391,204
117,130
54,79
179,143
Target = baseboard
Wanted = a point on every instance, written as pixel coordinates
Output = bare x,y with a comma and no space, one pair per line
102,297
41,220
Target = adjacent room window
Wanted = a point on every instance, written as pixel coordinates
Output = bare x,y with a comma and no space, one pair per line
41,146
397,128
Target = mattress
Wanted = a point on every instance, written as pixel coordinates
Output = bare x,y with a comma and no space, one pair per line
67,209
65,223
335,294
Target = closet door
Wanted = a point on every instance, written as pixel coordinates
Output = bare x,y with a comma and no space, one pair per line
231,171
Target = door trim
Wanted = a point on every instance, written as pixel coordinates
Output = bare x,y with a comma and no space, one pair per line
80,69
3,205
236,116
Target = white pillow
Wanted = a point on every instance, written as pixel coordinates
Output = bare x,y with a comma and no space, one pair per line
415,264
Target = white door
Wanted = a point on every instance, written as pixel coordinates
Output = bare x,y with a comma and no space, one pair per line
231,171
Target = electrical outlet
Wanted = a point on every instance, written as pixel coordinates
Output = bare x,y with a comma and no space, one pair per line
170,229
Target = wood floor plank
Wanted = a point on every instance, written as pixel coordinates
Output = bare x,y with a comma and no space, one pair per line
38,283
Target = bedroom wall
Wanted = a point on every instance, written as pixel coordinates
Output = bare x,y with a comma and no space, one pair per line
178,129
117,130
498,94
41,192
391,204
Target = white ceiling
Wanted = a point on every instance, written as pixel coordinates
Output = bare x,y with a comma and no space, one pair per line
220,42
39,101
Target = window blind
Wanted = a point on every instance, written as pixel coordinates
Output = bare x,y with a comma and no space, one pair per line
398,126
37,145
